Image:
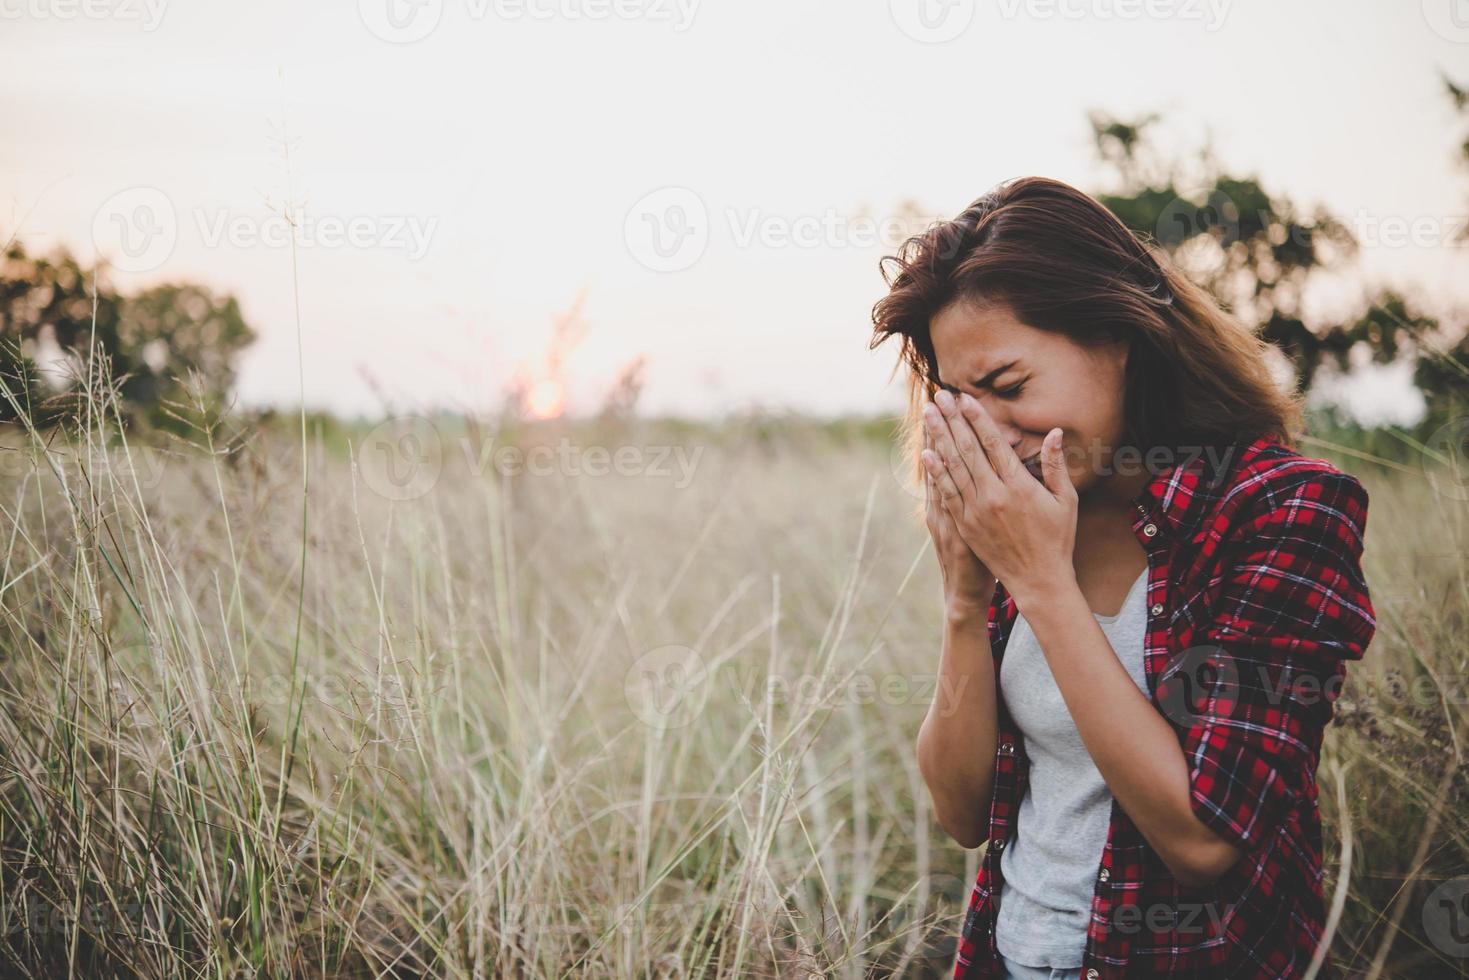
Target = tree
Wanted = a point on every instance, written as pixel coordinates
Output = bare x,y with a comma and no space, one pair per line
1255,252
170,350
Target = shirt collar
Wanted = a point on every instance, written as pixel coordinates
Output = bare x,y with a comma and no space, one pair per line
1181,495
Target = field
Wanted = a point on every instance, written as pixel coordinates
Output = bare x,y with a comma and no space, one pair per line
310,699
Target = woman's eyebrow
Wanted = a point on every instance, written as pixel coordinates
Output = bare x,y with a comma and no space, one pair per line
983,382
988,379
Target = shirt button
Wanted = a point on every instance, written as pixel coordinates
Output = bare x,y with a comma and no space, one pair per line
1105,875
999,844
1007,748
1092,975
1157,609
1150,529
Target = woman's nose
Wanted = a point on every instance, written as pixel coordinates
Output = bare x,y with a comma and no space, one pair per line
999,414
1012,434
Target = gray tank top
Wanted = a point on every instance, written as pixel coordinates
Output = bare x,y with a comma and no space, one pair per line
1050,866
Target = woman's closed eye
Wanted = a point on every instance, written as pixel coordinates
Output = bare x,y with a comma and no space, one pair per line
1011,392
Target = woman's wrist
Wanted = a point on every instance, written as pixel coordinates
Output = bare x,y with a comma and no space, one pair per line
1046,592
966,609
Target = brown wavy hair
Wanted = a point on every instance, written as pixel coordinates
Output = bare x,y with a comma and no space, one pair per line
1061,261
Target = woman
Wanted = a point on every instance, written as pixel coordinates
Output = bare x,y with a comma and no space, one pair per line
1150,599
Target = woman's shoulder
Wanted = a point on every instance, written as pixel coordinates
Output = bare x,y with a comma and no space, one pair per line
1289,552
1268,475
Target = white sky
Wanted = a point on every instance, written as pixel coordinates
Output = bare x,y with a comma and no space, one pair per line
518,145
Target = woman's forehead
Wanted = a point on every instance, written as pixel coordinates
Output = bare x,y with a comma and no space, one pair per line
965,329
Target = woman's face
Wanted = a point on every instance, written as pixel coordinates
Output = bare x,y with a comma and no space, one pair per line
1031,381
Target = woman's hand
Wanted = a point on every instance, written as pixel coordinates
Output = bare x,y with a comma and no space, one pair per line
1022,530
969,586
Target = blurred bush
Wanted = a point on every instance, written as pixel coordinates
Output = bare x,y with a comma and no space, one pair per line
170,349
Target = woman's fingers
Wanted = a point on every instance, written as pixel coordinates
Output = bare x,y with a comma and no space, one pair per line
963,436
930,494
1001,461
938,513
950,455
941,480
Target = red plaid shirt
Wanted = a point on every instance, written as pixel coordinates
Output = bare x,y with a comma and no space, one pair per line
1255,600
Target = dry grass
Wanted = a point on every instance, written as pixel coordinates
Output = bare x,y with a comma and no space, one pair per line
560,724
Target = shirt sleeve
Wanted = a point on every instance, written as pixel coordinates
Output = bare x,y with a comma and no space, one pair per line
1294,608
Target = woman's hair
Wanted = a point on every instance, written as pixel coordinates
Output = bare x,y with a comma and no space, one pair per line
1061,261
